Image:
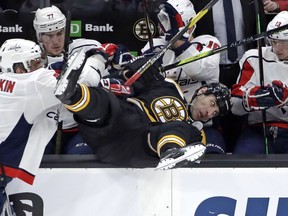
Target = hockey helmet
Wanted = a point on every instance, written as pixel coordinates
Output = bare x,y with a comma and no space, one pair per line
222,94
48,19
15,51
279,20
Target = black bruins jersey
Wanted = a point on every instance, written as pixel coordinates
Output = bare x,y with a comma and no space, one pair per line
163,102
129,132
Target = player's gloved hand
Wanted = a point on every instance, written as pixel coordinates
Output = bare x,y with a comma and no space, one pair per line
280,91
170,21
148,76
260,98
118,54
116,86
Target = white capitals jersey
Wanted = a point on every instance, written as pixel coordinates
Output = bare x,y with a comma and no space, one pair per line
29,114
193,75
273,69
90,75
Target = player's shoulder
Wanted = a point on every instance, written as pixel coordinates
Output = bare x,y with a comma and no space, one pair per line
158,43
80,43
207,40
43,75
170,82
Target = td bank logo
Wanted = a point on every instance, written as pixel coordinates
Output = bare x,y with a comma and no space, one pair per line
76,28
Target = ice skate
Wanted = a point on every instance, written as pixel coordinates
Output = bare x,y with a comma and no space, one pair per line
178,157
66,84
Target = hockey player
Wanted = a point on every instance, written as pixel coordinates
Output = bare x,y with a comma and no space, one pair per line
250,98
126,131
29,112
172,16
50,24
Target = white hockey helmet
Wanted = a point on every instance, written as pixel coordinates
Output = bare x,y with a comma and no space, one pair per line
185,8
279,20
48,19
18,50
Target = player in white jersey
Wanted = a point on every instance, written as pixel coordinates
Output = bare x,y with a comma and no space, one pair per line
50,25
29,111
250,98
173,15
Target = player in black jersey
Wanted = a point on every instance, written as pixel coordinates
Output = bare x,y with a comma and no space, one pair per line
131,125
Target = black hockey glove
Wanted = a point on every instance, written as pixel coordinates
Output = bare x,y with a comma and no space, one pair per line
148,76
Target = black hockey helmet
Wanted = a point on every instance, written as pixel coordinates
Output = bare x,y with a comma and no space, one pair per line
222,94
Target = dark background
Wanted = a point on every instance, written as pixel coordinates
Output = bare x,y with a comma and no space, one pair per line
121,14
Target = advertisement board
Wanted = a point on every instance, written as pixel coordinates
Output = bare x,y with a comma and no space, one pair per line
146,192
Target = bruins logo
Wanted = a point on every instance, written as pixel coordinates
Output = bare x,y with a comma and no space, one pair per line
167,109
141,30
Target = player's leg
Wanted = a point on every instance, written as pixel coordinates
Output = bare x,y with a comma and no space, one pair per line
215,141
176,143
251,141
66,85
74,144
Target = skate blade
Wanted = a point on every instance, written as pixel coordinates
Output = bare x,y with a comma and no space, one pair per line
193,153
76,61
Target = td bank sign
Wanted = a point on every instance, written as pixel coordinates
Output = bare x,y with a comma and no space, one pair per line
76,28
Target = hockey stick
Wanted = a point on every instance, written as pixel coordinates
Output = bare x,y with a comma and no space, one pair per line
149,32
67,32
6,209
250,39
261,72
152,60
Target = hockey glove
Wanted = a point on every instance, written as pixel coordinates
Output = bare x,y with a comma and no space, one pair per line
280,91
170,21
147,79
260,98
116,86
150,75
119,55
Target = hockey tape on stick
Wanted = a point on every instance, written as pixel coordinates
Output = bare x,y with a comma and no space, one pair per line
250,39
152,60
67,32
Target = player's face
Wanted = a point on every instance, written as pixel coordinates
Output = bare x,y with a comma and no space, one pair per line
53,42
280,48
204,107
